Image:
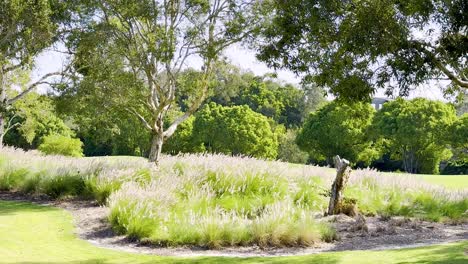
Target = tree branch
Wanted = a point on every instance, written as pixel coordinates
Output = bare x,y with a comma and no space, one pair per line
9,125
34,85
438,63
142,118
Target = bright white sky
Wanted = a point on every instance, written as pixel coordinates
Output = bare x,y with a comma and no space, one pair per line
51,61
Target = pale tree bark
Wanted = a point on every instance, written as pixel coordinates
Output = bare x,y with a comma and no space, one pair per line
343,171
3,105
2,129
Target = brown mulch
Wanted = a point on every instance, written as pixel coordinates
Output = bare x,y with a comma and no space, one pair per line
374,233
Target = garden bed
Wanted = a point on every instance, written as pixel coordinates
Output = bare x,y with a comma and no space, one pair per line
378,233
216,202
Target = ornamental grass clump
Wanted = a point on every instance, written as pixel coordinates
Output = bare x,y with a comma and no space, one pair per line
217,201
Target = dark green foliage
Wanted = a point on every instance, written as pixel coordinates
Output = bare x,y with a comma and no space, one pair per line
338,129
456,167
63,185
235,130
183,140
286,104
459,133
356,47
416,131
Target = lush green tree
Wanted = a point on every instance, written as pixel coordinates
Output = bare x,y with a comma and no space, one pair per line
338,129
148,43
284,103
460,132
260,99
33,118
354,47
235,130
26,28
105,129
416,131
289,151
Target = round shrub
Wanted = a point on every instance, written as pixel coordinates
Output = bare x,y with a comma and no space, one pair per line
235,130
61,145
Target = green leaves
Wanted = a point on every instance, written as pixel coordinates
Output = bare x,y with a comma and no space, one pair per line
37,119
26,28
355,47
338,129
235,130
61,145
417,132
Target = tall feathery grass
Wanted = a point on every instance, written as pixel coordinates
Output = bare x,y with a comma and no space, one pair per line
216,201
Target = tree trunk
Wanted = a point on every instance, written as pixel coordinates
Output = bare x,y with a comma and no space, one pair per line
343,172
156,148
2,129
3,106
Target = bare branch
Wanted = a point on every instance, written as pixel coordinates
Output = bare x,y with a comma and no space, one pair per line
31,87
10,126
142,119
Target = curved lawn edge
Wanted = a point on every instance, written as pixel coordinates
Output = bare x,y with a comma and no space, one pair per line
32,233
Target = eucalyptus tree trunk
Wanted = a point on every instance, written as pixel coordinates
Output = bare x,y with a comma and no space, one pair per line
2,129
156,148
410,162
3,102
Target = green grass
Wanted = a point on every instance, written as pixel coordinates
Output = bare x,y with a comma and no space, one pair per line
449,181
41,234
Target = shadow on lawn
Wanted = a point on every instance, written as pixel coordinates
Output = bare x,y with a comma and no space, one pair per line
10,207
322,259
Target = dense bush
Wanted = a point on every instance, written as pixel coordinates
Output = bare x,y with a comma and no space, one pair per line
61,145
338,129
235,130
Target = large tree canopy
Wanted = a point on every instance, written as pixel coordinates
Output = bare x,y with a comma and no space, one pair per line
353,47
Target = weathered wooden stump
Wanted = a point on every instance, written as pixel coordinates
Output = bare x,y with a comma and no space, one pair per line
343,171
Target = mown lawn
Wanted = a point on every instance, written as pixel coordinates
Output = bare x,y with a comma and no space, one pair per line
40,234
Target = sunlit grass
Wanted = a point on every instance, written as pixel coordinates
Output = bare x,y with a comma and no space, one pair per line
41,234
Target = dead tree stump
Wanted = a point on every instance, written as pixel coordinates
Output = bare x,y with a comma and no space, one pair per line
343,171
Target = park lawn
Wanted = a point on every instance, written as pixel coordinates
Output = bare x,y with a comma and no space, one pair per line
41,234
449,181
